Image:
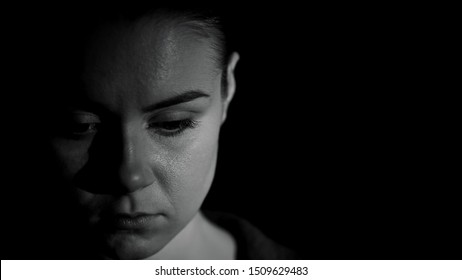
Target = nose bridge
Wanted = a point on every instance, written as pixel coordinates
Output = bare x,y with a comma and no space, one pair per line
135,171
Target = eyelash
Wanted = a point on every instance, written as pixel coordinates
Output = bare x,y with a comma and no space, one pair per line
77,129
179,127
166,128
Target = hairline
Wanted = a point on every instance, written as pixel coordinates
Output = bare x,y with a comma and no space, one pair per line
207,29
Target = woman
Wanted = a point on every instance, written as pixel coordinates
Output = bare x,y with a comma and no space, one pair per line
135,138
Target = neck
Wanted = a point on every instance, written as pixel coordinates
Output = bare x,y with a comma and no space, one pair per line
200,239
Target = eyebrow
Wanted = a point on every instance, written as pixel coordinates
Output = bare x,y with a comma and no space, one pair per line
178,99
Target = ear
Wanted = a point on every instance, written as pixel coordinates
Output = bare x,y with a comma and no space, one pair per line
231,84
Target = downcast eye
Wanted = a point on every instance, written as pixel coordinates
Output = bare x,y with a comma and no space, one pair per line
172,128
83,128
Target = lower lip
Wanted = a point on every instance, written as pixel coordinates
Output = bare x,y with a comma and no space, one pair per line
139,222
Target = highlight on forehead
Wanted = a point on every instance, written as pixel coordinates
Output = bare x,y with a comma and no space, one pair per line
193,26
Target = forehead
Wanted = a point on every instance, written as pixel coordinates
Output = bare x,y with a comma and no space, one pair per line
147,59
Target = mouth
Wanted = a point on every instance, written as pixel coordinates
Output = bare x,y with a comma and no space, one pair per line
130,222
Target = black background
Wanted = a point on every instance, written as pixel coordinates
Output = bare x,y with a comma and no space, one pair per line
337,143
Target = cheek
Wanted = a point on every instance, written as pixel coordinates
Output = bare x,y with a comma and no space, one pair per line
184,168
71,156
193,168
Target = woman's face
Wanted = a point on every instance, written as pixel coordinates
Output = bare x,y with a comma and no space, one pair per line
138,146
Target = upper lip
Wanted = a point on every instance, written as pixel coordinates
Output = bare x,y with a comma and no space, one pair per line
128,221
131,215
113,217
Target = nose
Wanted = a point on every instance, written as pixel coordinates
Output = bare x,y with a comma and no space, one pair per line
135,171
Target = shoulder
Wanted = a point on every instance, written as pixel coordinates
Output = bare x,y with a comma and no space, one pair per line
251,242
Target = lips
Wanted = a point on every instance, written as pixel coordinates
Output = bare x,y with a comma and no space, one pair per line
131,222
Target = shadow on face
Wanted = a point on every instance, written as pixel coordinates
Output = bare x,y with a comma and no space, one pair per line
135,124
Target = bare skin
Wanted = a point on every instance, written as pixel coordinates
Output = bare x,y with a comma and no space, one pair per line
142,156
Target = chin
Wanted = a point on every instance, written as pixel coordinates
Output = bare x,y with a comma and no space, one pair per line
132,246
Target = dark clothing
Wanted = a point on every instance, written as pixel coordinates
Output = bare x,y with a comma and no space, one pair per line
252,244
